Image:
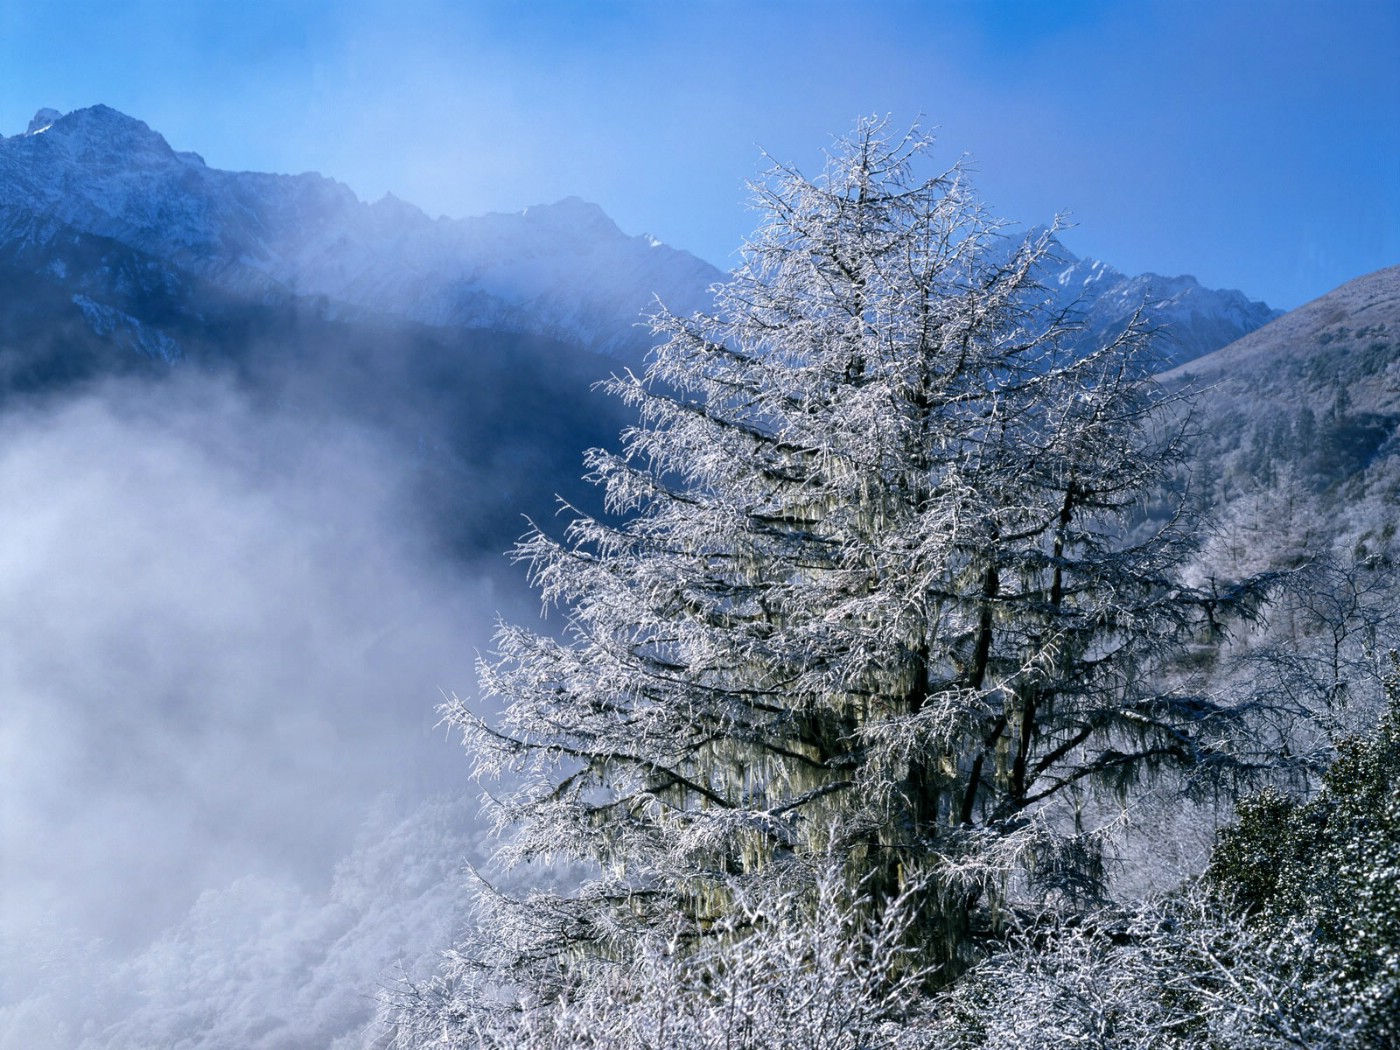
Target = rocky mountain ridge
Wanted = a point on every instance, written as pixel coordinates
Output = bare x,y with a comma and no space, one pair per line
563,270
1193,320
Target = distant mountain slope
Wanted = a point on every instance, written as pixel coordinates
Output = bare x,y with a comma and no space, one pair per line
1193,320
1346,343
1299,443
563,270
472,341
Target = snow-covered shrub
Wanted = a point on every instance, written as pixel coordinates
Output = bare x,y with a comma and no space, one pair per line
1323,876
786,971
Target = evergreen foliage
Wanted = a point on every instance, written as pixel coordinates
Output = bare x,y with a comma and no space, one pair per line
1330,868
869,599
1181,973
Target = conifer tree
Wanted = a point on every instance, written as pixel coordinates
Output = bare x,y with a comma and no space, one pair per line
870,594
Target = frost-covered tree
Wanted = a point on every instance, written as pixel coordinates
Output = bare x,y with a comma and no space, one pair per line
871,592
1180,973
1322,878
1290,940
812,971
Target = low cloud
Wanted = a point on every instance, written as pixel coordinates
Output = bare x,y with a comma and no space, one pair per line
223,637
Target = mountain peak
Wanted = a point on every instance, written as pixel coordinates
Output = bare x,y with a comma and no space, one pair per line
1193,320
108,119
572,212
43,120
562,270
101,128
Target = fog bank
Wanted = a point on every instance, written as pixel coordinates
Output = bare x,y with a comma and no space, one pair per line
222,636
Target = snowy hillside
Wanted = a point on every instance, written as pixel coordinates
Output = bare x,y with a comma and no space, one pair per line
1299,443
563,270
1193,320
1348,339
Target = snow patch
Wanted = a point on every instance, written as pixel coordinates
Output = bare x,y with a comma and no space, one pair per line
106,321
43,120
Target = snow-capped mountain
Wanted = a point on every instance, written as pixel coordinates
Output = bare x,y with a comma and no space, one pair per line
1193,320
562,270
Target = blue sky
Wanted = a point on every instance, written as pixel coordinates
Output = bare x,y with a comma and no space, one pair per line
1253,143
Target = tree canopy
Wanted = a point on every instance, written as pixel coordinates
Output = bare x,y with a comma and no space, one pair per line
873,593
